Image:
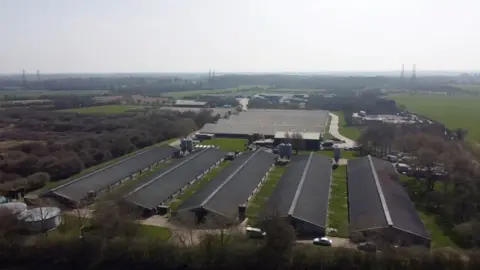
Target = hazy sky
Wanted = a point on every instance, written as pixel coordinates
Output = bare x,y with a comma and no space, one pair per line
243,35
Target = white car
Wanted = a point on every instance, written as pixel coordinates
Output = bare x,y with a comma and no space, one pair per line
255,232
322,241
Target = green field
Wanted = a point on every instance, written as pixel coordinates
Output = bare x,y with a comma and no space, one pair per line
338,204
469,87
197,185
229,145
349,132
227,91
70,227
106,109
455,112
257,204
38,93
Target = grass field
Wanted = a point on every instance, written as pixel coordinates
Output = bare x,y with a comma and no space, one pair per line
257,204
38,93
229,145
338,204
70,227
228,91
349,132
106,109
469,87
343,154
454,112
197,185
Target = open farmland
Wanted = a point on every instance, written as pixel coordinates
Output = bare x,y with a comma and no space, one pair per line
469,87
38,93
227,91
454,112
107,109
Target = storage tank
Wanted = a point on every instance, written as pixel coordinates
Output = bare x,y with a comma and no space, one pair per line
183,145
288,150
189,146
281,150
3,199
12,209
40,219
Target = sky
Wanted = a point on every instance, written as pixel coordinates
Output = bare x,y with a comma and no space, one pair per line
71,36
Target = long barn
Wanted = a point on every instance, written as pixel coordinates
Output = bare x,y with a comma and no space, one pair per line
379,207
302,194
222,201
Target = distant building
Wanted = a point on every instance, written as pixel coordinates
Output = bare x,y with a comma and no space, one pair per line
310,140
190,103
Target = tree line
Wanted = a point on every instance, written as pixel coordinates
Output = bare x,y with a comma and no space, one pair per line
52,146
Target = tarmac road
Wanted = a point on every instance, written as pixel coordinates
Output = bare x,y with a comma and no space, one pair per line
333,130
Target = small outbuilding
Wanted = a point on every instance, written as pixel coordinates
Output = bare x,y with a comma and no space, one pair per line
40,219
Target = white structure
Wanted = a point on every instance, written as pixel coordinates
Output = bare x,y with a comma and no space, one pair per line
41,219
12,209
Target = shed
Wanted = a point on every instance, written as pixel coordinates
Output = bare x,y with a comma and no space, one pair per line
310,140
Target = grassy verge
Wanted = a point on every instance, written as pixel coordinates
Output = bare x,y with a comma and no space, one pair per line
349,132
197,185
106,109
258,202
343,154
338,204
55,184
71,225
229,145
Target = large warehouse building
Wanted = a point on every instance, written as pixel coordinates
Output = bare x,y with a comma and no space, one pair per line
268,122
162,187
379,207
302,194
222,201
89,186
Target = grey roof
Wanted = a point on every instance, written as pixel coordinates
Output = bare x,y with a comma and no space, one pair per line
186,102
268,122
233,186
303,190
377,198
163,184
96,181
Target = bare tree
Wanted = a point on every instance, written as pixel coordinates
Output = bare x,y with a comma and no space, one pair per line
298,143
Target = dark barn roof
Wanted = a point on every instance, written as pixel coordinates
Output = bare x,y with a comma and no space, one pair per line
377,198
96,181
303,190
171,179
233,186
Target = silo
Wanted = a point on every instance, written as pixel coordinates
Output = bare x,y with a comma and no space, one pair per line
183,145
281,150
40,219
288,150
189,143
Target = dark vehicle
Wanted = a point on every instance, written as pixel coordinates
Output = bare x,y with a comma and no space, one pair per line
367,246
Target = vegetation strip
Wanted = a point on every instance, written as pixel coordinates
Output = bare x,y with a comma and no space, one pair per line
338,204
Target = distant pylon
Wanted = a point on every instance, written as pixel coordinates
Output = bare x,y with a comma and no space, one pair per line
38,75
209,74
24,77
402,74
414,72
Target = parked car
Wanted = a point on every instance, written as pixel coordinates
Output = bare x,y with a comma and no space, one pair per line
322,241
255,233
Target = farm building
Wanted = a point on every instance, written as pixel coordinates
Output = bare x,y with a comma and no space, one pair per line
162,187
268,123
223,200
190,103
379,207
308,140
302,194
40,219
89,186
